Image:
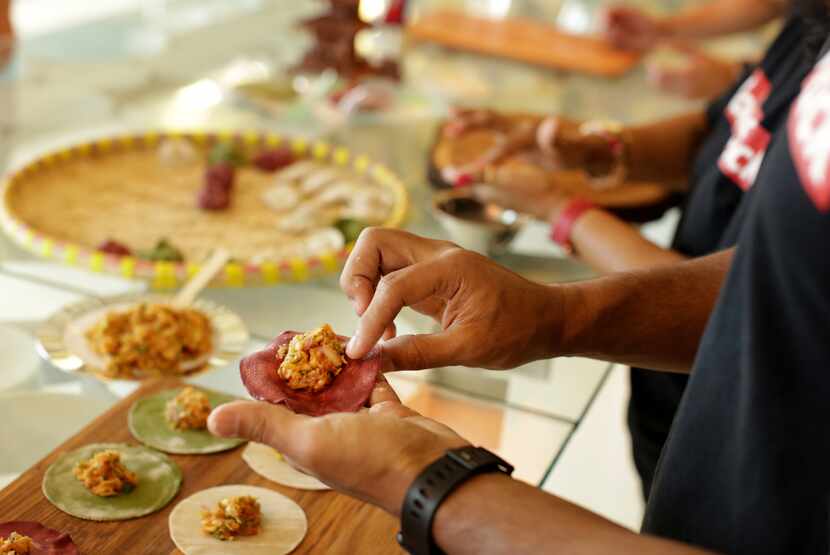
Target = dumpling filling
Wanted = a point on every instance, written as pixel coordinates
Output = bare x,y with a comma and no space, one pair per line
189,410
233,517
104,475
312,360
16,544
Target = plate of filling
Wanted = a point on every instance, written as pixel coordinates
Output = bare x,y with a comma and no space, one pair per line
269,463
237,519
310,373
135,337
154,206
111,481
175,421
33,538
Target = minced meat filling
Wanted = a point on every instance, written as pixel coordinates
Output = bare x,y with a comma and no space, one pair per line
16,544
189,410
234,516
312,360
104,475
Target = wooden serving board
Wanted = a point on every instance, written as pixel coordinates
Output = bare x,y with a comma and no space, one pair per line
523,40
336,523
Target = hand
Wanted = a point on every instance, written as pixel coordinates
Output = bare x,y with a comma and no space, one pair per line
586,146
374,454
524,187
632,29
702,77
489,316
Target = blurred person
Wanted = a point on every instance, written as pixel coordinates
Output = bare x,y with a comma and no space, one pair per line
712,157
702,76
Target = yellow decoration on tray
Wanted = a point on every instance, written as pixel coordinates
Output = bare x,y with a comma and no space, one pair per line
321,150
70,254
96,262
341,156
166,275
270,273
299,146
127,266
361,163
329,260
234,274
299,269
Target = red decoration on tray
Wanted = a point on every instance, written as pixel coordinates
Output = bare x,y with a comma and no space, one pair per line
273,160
111,246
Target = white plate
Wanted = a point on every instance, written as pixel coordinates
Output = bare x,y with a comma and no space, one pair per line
18,361
37,422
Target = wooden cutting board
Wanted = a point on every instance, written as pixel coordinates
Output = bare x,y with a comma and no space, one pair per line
336,523
523,40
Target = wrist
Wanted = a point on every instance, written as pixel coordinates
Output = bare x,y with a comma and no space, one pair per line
572,311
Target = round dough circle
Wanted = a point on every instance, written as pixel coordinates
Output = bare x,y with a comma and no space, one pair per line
149,425
266,462
159,480
284,524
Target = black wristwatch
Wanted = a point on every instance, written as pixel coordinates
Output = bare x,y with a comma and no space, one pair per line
433,485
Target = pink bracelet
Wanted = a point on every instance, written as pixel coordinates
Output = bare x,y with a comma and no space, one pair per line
561,229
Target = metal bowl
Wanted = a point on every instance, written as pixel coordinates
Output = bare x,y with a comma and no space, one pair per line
483,228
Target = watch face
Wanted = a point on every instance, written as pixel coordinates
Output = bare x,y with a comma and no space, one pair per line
472,458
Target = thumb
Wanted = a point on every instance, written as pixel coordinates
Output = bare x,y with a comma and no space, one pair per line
257,421
419,352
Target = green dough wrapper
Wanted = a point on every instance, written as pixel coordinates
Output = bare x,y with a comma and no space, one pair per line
149,426
159,480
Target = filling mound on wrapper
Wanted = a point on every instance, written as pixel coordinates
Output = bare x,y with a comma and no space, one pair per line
233,517
310,373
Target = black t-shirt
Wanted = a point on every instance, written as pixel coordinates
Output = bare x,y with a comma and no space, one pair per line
746,469
740,124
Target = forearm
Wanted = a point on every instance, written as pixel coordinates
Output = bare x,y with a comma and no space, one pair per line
664,150
721,17
652,318
477,519
607,244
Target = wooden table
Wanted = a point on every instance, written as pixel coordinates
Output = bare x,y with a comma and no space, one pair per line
336,523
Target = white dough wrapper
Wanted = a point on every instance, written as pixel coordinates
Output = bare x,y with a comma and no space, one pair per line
266,462
284,524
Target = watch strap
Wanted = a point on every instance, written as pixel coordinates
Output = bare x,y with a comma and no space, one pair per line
433,485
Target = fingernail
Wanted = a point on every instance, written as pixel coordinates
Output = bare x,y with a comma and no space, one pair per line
351,345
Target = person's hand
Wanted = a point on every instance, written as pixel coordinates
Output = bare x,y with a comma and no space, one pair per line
701,77
570,144
632,29
524,187
462,120
489,316
374,454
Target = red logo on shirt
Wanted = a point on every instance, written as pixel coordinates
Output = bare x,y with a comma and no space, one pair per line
809,134
742,156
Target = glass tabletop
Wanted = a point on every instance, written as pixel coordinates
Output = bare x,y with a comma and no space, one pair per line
172,64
